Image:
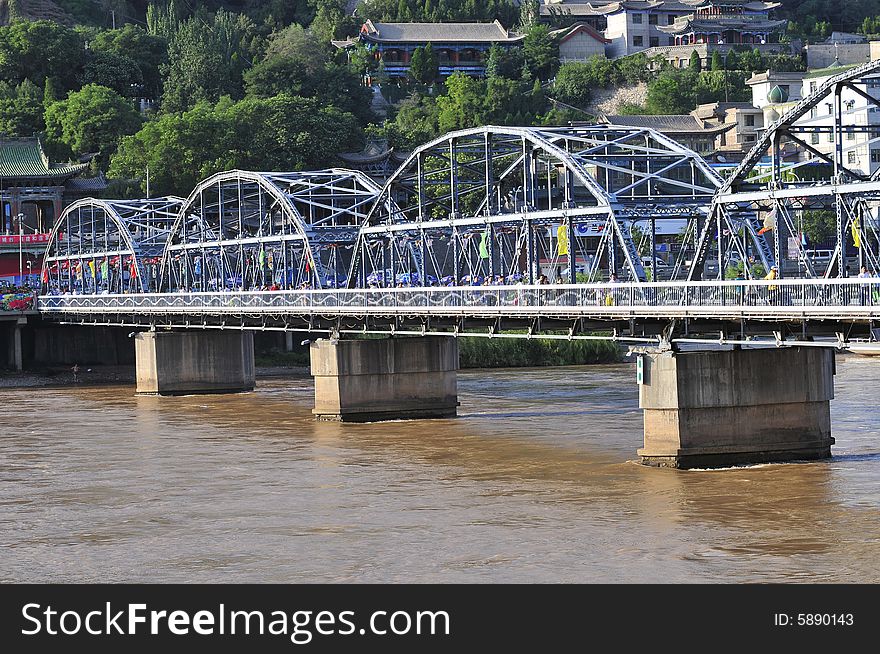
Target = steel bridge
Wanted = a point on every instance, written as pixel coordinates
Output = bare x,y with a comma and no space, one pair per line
540,230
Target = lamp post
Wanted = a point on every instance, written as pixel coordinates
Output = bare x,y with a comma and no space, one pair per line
20,218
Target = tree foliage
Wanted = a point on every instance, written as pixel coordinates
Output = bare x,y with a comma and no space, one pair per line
92,119
284,132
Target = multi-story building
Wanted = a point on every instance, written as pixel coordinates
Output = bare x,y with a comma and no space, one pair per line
731,22
460,47
861,120
637,25
746,121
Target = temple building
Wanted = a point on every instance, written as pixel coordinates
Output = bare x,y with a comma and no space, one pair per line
460,47
731,22
33,193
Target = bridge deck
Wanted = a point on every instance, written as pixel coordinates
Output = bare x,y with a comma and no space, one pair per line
832,299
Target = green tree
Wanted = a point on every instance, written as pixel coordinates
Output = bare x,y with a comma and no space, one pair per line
40,49
574,82
819,225
717,62
196,68
673,92
21,109
424,67
115,71
415,123
280,133
332,20
462,105
147,51
695,65
540,52
92,119
180,149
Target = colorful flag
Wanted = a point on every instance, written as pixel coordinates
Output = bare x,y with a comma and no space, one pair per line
484,245
857,241
769,222
561,240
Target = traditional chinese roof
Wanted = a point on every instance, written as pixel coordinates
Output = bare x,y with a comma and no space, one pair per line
23,158
566,33
738,22
670,124
437,33
88,184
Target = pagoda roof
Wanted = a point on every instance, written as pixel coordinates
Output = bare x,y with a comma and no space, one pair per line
669,124
437,33
24,158
752,5
565,33
687,24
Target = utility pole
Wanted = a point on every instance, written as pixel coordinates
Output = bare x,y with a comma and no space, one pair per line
113,17
148,181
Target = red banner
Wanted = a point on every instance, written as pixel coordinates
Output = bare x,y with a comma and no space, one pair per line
26,239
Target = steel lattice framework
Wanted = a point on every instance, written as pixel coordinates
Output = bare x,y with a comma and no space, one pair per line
496,202
831,133
112,246
250,230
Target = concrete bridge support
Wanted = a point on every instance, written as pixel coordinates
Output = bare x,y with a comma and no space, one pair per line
14,349
712,409
370,379
180,363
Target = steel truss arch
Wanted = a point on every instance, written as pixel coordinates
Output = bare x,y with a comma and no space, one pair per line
112,246
767,203
501,201
252,230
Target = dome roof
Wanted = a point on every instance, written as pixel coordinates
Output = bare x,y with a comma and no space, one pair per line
777,95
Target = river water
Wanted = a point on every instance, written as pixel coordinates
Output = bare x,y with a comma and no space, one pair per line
534,482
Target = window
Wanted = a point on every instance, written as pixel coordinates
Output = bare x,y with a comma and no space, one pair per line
812,87
851,157
814,138
875,156
749,138
654,41
750,120
638,40
814,112
850,135
637,19
671,40
830,108
831,137
652,19
786,88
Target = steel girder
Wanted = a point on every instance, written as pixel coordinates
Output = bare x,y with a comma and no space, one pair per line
493,202
829,135
109,245
241,229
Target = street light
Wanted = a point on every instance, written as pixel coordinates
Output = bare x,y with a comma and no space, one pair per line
20,218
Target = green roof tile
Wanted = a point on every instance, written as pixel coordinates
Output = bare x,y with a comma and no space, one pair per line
23,158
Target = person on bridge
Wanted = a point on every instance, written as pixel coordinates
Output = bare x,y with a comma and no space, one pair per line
772,288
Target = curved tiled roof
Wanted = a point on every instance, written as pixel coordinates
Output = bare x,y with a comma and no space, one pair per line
23,158
437,32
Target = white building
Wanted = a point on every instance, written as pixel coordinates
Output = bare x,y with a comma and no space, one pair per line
861,144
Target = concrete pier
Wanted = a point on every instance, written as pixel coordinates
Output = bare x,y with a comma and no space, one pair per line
713,409
14,349
179,363
370,379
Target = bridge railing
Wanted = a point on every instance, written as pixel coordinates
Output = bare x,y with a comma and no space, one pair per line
856,296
